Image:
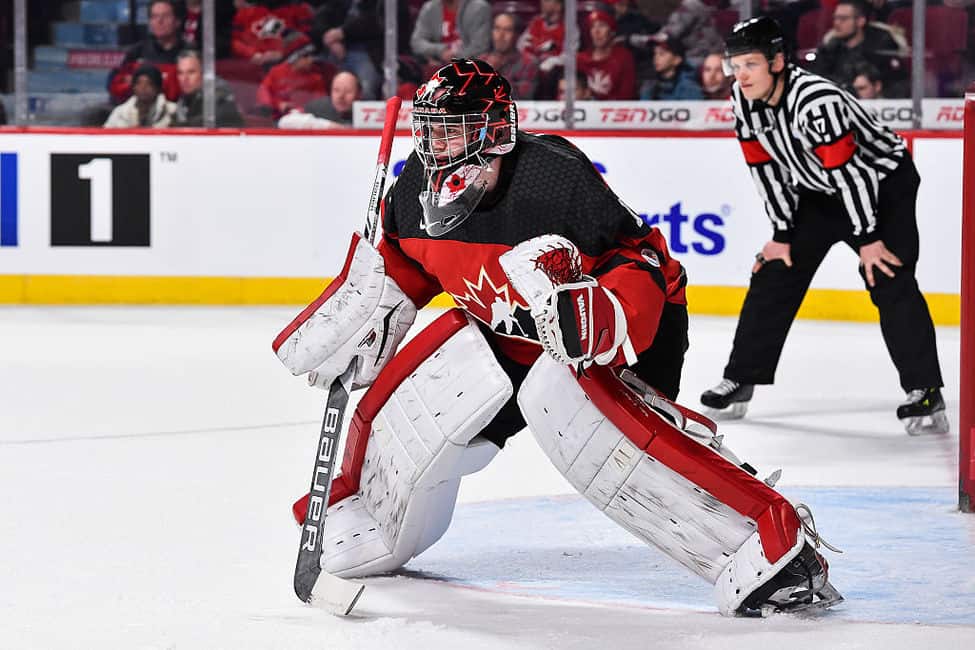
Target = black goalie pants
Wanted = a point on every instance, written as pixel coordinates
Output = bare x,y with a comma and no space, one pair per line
776,291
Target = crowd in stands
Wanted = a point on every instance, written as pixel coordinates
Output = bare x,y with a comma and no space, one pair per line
301,64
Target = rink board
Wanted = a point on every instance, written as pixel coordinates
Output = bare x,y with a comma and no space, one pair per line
264,217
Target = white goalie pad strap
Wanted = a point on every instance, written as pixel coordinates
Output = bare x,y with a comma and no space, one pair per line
362,314
418,444
667,486
622,336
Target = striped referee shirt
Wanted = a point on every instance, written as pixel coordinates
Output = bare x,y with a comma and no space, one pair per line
819,138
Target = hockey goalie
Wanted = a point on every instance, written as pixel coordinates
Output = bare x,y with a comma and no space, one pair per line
572,323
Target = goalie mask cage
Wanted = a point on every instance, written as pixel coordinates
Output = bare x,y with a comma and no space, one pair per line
966,420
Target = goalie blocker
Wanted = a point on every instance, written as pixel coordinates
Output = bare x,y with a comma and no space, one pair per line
652,466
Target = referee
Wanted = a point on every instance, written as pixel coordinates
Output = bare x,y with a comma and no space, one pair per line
827,172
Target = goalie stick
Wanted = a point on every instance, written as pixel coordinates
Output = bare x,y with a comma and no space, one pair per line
311,584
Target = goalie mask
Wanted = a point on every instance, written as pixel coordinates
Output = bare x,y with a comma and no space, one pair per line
463,117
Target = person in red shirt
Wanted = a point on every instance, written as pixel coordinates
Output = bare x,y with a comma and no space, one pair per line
545,32
293,82
266,36
609,67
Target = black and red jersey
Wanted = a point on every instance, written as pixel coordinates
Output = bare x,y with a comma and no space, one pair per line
546,186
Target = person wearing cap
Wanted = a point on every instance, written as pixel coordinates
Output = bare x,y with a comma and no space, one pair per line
147,107
609,66
295,81
675,80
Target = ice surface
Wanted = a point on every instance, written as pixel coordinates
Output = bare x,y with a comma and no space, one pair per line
149,457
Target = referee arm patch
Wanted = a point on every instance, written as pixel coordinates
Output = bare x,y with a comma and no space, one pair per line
755,153
838,153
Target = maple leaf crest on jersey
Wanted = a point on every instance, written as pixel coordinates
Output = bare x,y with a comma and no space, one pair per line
497,305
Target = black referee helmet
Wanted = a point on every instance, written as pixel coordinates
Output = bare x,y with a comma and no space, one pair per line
762,34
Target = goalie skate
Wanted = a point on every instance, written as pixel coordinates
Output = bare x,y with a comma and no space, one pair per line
801,586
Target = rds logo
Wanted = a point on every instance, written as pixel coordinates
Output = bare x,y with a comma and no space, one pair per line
710,241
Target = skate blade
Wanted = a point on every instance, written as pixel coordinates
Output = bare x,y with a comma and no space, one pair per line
936,423
735,411
826,597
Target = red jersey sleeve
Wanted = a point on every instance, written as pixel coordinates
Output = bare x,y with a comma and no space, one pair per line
643,276
416,283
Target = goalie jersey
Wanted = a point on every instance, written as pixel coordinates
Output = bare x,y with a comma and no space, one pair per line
546,186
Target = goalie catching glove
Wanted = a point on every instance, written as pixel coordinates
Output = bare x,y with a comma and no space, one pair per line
579,322
582,323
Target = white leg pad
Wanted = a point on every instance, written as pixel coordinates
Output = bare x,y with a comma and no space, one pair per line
651,479
422,440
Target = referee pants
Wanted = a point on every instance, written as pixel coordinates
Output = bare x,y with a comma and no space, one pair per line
776,291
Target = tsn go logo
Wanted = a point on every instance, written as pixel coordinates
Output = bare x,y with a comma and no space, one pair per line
99,199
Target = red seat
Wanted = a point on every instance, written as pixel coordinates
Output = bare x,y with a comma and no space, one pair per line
945,41
813,25
239,70
945,28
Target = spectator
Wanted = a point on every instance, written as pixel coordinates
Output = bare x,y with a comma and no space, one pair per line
867,83
853,40
293,82
582,87
630,22
193,25
352,33
609,68
147,107
635,31
519,68
787,14
189,108
266,37
715,84
447,29
159,48
331,112
296,14
692,23
675,79
545,33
